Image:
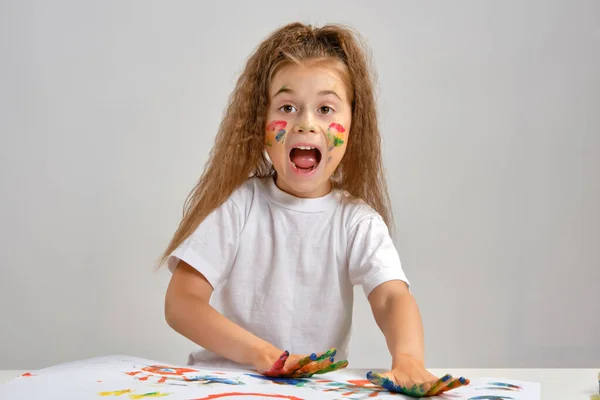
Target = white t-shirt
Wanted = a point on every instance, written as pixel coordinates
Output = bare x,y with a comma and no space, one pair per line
284,267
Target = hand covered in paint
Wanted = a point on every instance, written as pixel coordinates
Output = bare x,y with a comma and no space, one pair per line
298,366
409,377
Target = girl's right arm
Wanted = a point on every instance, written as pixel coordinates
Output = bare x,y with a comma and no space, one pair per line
188,312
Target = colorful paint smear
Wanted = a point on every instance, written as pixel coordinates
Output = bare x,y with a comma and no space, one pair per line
504,385
238,394
173,376
277,128
355,387
297,382
166,370
115,393
491,397
148,395
351,387
334,135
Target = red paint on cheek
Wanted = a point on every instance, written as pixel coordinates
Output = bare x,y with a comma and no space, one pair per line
337,127
276,125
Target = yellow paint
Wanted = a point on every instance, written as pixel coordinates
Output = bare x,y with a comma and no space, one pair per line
146,395
115,393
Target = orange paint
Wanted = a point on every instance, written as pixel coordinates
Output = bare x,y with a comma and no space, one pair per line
162,380
362,382
27,374
132,373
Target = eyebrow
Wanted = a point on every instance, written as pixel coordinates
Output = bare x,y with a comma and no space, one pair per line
285,89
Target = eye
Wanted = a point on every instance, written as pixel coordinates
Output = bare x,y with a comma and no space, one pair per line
326,110
287,108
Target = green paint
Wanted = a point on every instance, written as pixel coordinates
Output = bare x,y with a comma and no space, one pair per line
328,354
334,141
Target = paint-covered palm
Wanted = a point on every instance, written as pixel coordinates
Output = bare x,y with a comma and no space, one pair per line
302,366
409,377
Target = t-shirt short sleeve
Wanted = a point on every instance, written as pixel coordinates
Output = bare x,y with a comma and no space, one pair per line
372,256
212,247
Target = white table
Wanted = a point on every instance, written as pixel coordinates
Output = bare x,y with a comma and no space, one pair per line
557,384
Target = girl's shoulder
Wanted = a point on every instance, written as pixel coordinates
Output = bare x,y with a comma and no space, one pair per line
357,211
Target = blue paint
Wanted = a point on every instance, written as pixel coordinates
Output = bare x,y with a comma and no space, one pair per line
211,379
283,381
280,135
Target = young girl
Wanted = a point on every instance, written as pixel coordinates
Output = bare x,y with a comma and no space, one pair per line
290,213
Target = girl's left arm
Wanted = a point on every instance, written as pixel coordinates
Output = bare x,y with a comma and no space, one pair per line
398,316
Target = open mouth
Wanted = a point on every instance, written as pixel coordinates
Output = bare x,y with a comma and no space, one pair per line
305,158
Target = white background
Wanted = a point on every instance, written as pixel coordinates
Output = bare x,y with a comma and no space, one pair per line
490,113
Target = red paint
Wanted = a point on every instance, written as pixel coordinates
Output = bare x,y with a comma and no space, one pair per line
162,380
132,373
362,382
27,374
337,127
276,125
144,378
234,394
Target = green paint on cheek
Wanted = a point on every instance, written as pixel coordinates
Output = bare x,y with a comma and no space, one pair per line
335,140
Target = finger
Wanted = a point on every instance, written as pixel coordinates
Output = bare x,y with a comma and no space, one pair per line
456,383
314,366
332,367
277,367
302,362
328,354
311,359
322,360
384,382
439,385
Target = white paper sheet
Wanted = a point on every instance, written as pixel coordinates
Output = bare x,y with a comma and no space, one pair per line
123,377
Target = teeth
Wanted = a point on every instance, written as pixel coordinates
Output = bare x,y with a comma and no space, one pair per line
305,147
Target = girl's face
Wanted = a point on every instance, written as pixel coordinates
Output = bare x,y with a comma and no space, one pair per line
308,121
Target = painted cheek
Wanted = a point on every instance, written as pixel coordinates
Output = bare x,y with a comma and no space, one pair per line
277,129
335,135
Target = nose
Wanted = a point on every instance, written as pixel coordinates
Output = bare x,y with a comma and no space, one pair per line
305,128
306,124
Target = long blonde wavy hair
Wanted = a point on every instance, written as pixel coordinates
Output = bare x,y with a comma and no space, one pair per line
238,151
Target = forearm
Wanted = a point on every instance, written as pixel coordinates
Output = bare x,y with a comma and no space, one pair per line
399,319
195,319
